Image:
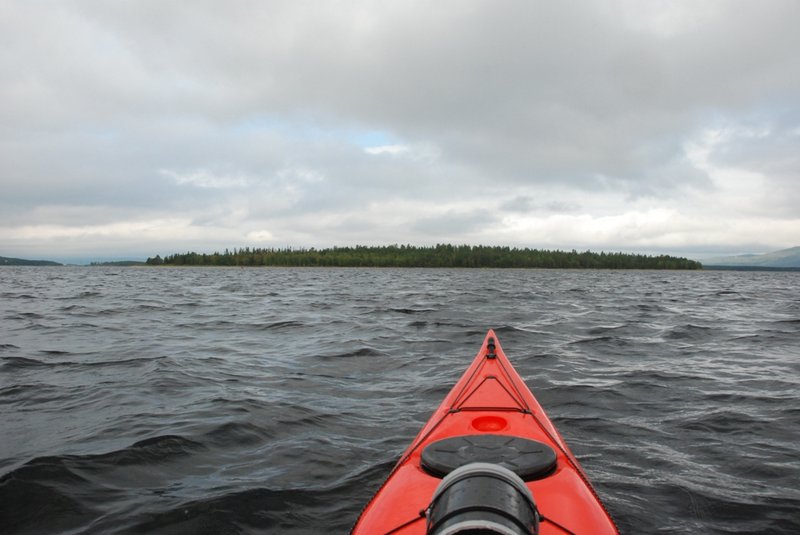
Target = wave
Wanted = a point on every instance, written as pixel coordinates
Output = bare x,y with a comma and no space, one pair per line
239,434
279,325
19,363
688,332
360,352
259,510
55,493
412,310
25,316
12,295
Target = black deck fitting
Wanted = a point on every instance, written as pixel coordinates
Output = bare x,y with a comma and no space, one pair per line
491,347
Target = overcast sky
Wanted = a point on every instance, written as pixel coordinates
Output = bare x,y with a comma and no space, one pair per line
130,128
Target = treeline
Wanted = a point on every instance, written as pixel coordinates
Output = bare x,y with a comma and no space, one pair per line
466,256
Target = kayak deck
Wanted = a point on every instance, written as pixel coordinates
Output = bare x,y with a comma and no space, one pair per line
490,415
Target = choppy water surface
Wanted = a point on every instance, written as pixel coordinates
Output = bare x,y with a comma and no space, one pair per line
276,400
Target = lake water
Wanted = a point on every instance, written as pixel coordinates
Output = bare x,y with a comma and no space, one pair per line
266,400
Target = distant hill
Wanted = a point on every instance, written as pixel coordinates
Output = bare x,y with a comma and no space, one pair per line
786,258
4,261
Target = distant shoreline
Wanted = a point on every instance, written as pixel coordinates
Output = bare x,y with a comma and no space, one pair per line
748,268
461,257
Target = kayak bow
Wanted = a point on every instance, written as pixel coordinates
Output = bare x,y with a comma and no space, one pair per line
489,460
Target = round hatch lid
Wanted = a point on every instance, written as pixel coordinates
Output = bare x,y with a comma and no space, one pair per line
529,459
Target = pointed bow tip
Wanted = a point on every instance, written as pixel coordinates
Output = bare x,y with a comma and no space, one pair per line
491,336
490,344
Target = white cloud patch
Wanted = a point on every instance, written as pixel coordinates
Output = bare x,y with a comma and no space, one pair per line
392,150
738,188
259,236
203,178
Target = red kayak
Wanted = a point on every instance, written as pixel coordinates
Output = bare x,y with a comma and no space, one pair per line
488,461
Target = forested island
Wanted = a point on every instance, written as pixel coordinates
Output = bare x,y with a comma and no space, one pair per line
463,256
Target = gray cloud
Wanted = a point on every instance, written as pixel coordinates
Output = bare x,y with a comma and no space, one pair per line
252,119
455,223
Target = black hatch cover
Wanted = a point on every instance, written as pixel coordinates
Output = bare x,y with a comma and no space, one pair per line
529,459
